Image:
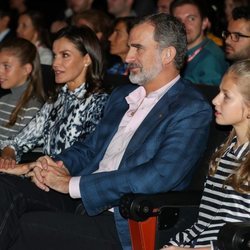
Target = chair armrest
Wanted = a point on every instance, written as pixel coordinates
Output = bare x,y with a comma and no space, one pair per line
234,236
140,207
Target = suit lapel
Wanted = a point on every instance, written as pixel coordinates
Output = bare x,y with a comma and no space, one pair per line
155,116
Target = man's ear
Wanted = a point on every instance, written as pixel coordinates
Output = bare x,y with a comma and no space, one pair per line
205,24
168,55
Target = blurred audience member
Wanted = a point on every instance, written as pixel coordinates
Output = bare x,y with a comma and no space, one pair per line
31,27
5,31
147,8
214,26
97,20
163,6
119,44
20,72
231,4
78,6
102,25
121,8
237,35
206,62
18,5
74,7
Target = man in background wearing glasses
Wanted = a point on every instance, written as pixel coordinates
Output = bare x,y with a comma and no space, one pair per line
237,36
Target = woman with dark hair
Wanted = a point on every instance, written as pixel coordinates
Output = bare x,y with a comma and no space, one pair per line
78,107
119,44
20,72
31,26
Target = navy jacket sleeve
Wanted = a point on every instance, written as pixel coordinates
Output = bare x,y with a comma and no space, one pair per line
159,157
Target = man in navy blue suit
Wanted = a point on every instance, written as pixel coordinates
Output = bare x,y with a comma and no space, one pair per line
151,136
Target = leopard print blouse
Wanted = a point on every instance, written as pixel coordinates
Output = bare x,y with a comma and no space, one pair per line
58,125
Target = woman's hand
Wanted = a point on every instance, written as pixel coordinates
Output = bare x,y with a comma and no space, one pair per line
6,163
18,169
8,158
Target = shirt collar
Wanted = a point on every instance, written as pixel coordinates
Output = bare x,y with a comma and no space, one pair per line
202,43
78,92
241,151
18,91
136,97
3,34
163,90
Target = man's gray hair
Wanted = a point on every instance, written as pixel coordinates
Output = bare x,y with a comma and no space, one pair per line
169,31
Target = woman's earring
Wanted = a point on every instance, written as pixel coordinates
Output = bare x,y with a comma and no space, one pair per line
86,65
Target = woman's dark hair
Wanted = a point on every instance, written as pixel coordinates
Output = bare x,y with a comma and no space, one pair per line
85,40
26,53
38,23
128,21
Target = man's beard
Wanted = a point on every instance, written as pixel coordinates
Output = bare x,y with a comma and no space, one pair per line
144,76
240,55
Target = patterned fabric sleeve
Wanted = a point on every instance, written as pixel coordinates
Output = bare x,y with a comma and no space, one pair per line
220,203
31,135
92,114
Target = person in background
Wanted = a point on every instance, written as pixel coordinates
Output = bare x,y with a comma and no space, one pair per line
31,27
77,109
97,20
214,26
5,31
121,8
20,71
119,44
163,6
230,5
142,139
226,196
237,35
19,5
206,62
74,7
101,24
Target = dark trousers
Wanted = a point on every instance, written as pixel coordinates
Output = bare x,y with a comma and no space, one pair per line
24,224
65,231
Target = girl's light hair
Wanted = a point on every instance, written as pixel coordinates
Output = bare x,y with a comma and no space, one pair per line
240,179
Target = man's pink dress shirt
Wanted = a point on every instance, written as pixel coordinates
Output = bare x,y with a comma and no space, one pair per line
139,107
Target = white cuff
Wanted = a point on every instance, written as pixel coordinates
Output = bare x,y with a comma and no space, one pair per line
74,187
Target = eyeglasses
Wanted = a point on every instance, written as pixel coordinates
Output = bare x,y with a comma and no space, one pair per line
235,36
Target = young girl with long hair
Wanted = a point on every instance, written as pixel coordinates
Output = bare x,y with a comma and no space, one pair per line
226,196
20,71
